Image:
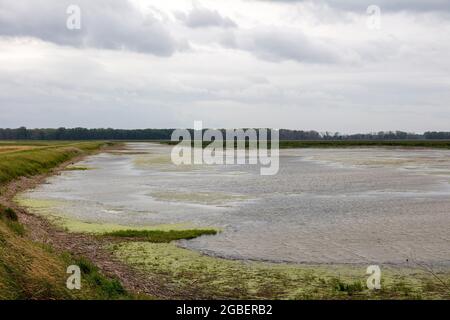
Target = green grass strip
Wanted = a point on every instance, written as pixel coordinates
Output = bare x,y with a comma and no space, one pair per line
158,236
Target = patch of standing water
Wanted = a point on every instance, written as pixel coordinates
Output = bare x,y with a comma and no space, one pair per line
367,205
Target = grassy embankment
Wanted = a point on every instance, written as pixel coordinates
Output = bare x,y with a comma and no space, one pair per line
19,160
30,270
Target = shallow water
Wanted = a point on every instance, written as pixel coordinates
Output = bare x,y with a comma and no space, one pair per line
369,205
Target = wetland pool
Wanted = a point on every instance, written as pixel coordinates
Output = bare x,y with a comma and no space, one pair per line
352,205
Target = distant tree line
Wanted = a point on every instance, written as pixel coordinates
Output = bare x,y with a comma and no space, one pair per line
23,133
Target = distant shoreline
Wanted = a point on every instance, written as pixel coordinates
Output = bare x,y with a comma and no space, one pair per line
285,144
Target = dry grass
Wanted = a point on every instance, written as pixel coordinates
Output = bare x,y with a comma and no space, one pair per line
6,149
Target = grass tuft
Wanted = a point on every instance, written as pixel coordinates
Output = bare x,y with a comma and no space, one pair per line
77,169
108,288
158,236
8,213
16,227
349,288
10,218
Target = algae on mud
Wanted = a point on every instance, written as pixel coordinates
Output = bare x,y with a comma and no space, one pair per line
207,198
51,210
200,276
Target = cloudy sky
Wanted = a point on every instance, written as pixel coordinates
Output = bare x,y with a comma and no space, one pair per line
322,65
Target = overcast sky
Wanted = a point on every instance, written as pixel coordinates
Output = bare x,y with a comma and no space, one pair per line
293,64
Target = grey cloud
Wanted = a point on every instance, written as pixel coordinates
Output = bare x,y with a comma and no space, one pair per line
276,44
202,17
388,5
393,79
106,24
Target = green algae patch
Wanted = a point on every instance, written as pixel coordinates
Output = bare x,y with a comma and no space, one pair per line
53,211
206,198
72,225
42,207
158,236
152,159
199,276
77,168
162,162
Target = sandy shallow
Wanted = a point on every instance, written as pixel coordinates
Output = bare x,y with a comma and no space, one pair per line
371,205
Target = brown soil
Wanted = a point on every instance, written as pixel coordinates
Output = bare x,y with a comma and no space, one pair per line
92,247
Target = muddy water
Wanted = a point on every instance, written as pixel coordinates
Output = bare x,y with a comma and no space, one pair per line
324,205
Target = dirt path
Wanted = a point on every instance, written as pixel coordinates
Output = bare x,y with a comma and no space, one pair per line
92,247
